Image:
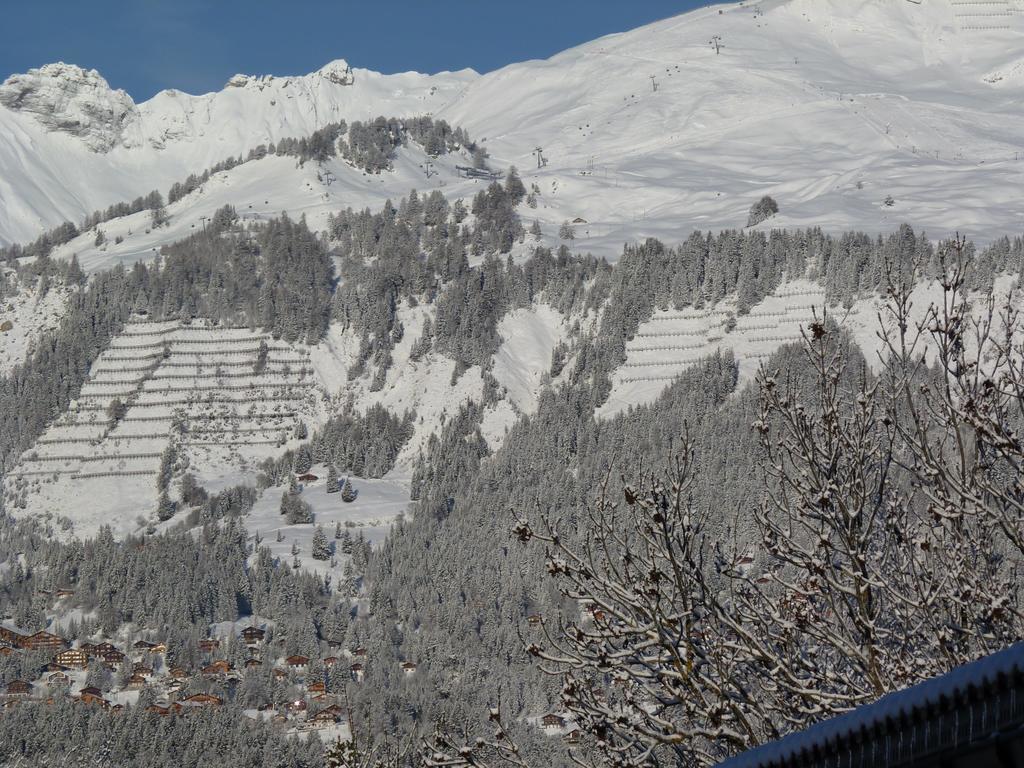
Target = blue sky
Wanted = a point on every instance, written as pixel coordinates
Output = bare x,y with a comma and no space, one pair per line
144,46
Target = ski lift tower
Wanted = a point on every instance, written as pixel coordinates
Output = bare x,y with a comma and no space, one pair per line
540,156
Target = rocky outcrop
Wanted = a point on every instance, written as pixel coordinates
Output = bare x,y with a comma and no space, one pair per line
338,72
72,100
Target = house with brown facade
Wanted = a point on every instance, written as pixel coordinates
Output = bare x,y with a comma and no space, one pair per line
43,641
253,636
18,688
93,696
328,716
73,658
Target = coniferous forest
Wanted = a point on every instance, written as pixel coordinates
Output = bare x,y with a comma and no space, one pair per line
364,443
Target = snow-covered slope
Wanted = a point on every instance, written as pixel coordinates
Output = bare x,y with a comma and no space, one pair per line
196,388
828,105
70,145
26,314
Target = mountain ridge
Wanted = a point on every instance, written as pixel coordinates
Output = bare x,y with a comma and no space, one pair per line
830,107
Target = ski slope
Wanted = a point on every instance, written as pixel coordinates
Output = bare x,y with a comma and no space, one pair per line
830,106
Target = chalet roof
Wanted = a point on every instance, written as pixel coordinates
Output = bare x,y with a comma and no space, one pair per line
985,679
297,660
333,712
203,698
90,691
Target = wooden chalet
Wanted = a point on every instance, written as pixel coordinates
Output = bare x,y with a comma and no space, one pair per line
54,667
357,671
177,673
113,658
58,678
157,709
93,696
10,638
572,737
6,650
297,662
109,653
198,700
552,722
328,716
408,667
142,669
136,682
318,687
18,688
252,663
253,635
307,478
280,674
117,709
209,645
534,620
73,658
60,594
43,641
144,646
358,653
330,661
216,669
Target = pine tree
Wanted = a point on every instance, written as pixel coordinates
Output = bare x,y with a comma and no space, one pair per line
303,460
348,493
75,274
763,209
165,507
337,530
332,479
321,549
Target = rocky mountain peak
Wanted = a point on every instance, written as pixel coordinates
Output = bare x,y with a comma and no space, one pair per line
69,99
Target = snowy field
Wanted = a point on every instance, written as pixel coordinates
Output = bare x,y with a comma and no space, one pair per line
376,507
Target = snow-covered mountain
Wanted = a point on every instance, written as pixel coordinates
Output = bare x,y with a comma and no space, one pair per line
69,144
830,106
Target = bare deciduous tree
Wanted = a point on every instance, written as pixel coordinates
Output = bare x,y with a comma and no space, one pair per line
889,530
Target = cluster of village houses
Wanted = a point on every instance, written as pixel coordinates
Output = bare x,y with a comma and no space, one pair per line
315,708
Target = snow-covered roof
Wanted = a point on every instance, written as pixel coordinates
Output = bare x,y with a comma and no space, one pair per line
864,722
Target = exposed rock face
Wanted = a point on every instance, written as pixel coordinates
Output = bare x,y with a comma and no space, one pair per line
338,72
72,100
